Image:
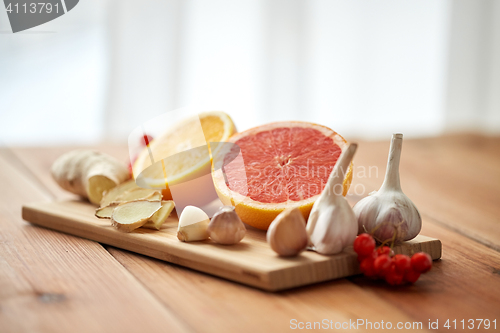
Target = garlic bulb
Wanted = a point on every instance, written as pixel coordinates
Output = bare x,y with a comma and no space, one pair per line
332,224
226,226
388,213
287,234
193,225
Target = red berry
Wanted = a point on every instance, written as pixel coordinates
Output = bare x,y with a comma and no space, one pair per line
421,262
385,250
393,277
146,139
372,255
364,244
412,276
382,264
366,267
402,263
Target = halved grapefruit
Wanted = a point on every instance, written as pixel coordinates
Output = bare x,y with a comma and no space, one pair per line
280,165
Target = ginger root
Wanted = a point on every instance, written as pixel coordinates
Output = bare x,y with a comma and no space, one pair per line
88,173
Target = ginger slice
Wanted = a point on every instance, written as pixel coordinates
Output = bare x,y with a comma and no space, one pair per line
134,214
135,194
106,212
158,218
139,194
111,195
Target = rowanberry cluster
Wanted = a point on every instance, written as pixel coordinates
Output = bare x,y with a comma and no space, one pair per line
383,264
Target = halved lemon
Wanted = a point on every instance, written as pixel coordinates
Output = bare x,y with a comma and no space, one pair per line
182,145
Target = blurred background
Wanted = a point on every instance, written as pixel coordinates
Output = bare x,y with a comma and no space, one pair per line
364,68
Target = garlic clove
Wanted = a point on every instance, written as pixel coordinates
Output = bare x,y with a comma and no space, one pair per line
287,234
226,227
193,225
388,213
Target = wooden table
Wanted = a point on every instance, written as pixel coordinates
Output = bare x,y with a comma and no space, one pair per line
53,282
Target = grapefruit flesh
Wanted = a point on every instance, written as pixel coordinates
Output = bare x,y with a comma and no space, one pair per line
281,165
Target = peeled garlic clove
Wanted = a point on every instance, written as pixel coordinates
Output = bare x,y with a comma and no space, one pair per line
193,225
287,234
388,213
226,227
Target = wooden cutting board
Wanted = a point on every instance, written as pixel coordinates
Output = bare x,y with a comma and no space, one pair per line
251,262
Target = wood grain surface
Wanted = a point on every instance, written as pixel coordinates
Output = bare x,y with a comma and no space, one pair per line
250,262
452,179
50,281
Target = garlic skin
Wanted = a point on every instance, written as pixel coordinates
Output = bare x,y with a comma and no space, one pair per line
287,234
226,226
193,225
388,212
332,225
